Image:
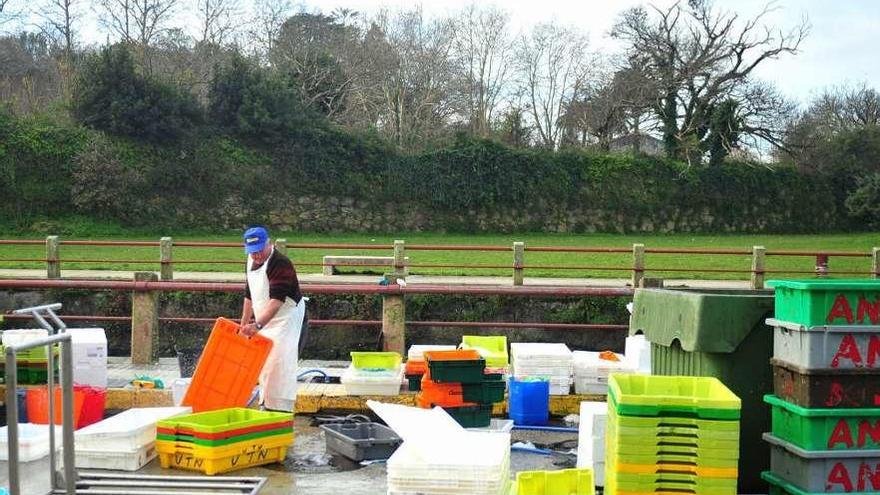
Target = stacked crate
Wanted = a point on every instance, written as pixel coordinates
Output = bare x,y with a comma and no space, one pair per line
32,365
373,373
416,366
457,381
550,361
224,440
825,411
671,434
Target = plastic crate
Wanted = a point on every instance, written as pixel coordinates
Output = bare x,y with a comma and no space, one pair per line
642,395
825,302
621,483
222,421
216,460
375,360
829,471
826,347
361,441
492,348
489,392
116,460
441,394
673,427
414,382
613,468
126,431
416,367
824,429
33,441
687,463
471,416
222,442
228,369
283,425
564,482
417,352
360,382
781,487
465,366
826,388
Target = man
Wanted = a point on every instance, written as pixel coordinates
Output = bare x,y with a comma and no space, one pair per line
275,308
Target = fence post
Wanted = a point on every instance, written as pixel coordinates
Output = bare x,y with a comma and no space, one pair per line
53,266
821,265
519,251
875,262
393,323
166,267
281,246
758,253
144,320
638,269
400,270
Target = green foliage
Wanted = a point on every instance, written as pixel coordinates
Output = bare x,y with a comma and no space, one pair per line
112,96
864,202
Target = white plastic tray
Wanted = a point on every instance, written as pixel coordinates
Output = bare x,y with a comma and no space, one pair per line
538,351
33,442
118,461
418,351
359,384
127,431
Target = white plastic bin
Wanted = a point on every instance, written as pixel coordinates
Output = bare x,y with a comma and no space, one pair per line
357,383
127,431
33,442
591,439
418,351
178,389
831,347
89,348
21,336
131,460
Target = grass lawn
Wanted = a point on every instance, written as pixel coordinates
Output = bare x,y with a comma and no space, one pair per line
655,262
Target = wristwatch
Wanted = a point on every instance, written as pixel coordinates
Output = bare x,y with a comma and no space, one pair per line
257,324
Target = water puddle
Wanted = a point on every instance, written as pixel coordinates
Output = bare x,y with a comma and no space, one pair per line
315,464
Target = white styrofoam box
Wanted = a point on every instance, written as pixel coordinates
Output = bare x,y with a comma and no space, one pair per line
591,385
33,442
357,382
178,389
127,431
591,432
20,336
637,352
418,351
89,356
599,473
587,363
539,351
118,461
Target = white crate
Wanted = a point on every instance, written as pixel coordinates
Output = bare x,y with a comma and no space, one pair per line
127,431
89,349
360,383
20,336
116,460
33,442
590,385
418,351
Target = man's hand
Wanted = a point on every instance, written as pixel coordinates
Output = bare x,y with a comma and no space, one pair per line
248,330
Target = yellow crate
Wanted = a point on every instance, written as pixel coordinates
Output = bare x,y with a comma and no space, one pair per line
708,472
564,482
492,348
217,460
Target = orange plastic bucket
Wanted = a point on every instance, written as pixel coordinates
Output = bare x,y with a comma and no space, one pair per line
38,405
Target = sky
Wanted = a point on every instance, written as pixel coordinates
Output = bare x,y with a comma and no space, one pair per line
842,47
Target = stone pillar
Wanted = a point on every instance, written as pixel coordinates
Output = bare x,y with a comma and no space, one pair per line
144,320
638,267
519,249
758,253
393,323
166,266
53,265
400,269
281,246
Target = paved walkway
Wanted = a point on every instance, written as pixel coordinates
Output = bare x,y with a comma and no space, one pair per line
315,278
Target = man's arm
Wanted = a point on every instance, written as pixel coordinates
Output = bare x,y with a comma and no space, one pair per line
247,311
263,319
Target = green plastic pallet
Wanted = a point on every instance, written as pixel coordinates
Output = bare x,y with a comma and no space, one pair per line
564,482
824,429
673,396
825,302
224,420
224,441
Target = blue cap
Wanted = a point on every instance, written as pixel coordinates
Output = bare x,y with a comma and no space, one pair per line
255,239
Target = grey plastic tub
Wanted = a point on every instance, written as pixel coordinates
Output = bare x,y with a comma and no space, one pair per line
826,347
361,441
824,471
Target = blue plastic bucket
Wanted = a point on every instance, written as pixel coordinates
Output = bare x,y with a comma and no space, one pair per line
529,402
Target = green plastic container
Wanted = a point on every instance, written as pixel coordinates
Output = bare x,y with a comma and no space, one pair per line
688,396
674,483
564,482
224,420
778,486
825,429
415,382
492,348
460,371
375,360
826,302
488,392
719,333
650,459
224,441
471,416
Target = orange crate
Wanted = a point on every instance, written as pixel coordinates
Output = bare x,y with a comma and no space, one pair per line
228,369
416,367
458,355
440,394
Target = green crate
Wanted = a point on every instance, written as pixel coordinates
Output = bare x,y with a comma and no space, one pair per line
826,302
460,371
779,486
563,482
669,483
674,426
686,396
488,392
612,455
375,360
224,420
415,382
824,429
224,441
471,416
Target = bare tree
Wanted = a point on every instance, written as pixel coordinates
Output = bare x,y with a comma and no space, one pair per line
553,66
218,19
482,53
7,14
138,22
269,16
58,23
697,57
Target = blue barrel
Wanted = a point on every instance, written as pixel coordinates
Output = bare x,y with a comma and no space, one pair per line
22,405
529,402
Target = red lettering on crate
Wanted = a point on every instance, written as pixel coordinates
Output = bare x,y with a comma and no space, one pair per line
869,479
873,350
865,308
866,429
840,309
787,385
839,476
835,395
841,434
849,350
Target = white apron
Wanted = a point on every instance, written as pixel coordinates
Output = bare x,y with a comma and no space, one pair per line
278,378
